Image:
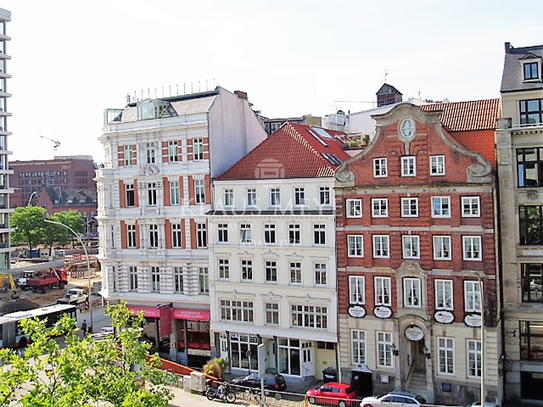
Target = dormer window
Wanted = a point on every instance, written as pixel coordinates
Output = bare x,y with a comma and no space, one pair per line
531,71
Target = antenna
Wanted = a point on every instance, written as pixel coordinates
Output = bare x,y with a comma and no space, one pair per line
386,73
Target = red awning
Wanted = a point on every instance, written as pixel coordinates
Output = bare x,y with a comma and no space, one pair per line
149,312
191,314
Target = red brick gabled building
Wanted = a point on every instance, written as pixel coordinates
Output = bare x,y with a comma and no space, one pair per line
415,231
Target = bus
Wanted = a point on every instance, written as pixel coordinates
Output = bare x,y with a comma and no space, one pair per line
11,335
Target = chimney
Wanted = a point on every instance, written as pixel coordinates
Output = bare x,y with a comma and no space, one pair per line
241,94
508,47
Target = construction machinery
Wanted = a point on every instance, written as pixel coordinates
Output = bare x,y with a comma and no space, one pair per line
8,283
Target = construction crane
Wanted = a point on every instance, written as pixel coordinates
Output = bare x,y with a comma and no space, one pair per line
56,144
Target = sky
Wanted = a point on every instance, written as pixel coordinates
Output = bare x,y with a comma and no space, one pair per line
73,59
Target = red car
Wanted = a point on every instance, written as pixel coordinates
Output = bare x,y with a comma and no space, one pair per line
332,394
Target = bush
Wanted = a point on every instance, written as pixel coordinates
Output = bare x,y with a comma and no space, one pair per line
216,367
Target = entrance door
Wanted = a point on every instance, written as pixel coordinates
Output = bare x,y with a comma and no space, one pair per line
308,359
223,346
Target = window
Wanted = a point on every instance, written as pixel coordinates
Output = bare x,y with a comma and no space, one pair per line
324,196
153,236
471,206
382,291
471,248
129,155
474,358
155,279
411,247
240,311
530,167
532,282
201,235
203,280
228,197
271,271
177,240
269,234
409,166
355,245
412,292
294,234
379,207
384,349
354,208
319,235
275,197
357,293
441,207
130,195
224,269
299,196
445,351
131,236
530,70
173,151
152,192
308,316
358,340
472,296
442,247
531,340
531,225
272,313
410,207
246,270
175,193
437,165
320,273
251,196
246,233
150,153
295,268
444,295
222,233
531,111
379,167
178,280
198,149
381,246
132,278
200,191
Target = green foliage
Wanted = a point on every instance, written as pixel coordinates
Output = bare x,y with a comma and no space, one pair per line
216,367
116,370
71,219
29,225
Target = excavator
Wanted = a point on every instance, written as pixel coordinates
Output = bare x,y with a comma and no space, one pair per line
6,283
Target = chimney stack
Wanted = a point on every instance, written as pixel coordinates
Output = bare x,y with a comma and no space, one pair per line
241,94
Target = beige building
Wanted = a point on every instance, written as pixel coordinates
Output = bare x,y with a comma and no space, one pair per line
519,141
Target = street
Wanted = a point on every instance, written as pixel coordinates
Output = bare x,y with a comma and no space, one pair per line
100,319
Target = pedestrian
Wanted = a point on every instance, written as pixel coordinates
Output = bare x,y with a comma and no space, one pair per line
84,327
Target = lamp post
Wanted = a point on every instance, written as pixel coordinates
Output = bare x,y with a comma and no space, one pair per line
30,198
88,265
482,338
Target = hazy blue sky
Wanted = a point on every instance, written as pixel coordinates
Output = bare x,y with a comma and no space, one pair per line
72,59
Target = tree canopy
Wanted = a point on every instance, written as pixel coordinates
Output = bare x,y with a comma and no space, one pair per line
116,369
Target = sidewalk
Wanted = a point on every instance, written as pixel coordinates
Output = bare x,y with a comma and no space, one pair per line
184,399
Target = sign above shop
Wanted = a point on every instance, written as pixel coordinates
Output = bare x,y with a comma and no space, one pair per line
444,317
414,333
357,311
473,320
382,312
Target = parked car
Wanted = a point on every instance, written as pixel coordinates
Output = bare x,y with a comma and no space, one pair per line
478,404
390,399
74,296
332,394
272,381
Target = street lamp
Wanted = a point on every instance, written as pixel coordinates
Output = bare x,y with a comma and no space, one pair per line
30,198
88,265
482,337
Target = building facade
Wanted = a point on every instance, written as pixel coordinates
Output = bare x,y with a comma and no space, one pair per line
5,189
416,233
519,140
272,268
154,191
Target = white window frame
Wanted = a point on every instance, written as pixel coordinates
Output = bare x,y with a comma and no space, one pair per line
222,233
131,236
380,169
472,296
246,233
308,316
320,274
150,153
178,280
472,248
129,154
474,353
270,271
353,208
385,356
319,234
358,347
355,246
275,197
154,276
412,285
228,195
201,235
173,151
152,194
471,206
294,230
270,234
437,165
251,197
445,356
409,166
203,280
132,278
441,207
381,243
295,270
246,270
198,149
175,193
130,189
383,289
445,289
407,207
357,290
410,246
153,236
325,196
271,313
299,197
223,269
379,207
199,191
177,235
441,242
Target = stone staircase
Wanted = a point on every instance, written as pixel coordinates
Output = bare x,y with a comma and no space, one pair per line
417,383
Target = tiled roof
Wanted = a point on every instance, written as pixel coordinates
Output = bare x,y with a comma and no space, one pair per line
293,151
467,116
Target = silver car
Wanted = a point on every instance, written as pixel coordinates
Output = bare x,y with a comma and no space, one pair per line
393,399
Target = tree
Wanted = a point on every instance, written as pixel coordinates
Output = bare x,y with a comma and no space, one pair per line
69,218
216,367
29,225
117,369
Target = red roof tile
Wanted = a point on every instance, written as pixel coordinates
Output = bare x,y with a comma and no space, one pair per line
467,116
293,151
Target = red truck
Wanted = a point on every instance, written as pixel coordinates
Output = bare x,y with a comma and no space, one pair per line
54,278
